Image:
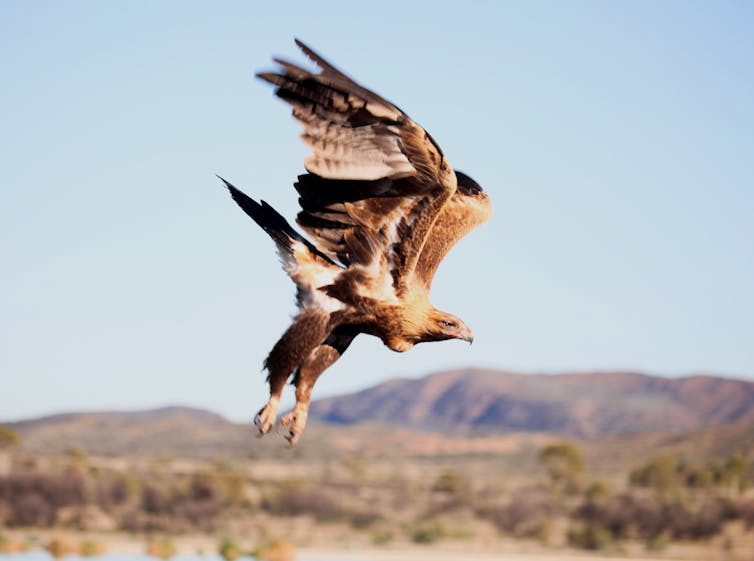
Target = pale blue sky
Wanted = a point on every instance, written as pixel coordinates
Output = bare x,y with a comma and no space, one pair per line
616,140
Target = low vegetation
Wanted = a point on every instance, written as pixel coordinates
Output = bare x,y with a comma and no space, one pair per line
558,502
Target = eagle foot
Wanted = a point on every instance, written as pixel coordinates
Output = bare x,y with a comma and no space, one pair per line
296,422
265,419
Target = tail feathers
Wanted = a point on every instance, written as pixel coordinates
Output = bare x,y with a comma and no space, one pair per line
271,221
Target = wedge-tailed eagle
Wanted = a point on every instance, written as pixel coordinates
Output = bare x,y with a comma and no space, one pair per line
382,207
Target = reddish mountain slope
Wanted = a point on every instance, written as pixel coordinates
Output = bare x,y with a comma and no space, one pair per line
574,404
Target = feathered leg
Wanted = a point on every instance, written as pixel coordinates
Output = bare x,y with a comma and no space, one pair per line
305,334
319,360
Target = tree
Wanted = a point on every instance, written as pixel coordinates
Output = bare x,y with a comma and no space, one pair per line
564,465
660,474
734,473
8,438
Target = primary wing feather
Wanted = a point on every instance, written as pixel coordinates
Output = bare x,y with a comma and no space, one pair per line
377,180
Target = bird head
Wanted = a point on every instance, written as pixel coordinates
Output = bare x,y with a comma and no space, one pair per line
443,326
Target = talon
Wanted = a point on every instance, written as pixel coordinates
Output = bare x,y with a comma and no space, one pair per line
296,419
292,438
288,419
266,416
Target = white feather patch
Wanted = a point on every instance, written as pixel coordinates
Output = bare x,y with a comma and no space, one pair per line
310,274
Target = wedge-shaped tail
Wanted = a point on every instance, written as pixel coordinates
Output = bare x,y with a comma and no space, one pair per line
272,222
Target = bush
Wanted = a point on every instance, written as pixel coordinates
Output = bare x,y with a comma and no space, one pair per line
626,515
33,499
590,537
229,550
292,498
361,520
275,550
59,547
163,549
451,482
90,548
660,474
524,516
564,465
427,531
382,536
744,510
8,438
9,546
657,543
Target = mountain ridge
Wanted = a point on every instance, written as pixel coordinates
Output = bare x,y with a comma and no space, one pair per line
575,403
454,404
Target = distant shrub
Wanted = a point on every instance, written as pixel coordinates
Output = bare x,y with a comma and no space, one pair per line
523,516
627,514
33,499
90,548
162,549
111,491
427,531
702,523
59,547
598,490
590,537
197,514
275,550
382,536
153,500
744,510
292,498
8,438
700,477
564,465
451,482
668,473
660,474
229,550
9,546
657,543
364,519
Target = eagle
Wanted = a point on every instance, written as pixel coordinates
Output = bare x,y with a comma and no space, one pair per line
382,206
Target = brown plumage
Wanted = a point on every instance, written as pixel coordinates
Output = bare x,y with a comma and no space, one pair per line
383,207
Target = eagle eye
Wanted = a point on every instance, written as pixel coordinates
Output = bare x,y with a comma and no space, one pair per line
447,324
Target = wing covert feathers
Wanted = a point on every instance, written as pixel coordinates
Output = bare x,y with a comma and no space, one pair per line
379,196
468,208
353,132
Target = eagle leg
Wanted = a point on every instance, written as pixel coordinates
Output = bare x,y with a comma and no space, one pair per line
305,334
315,364
267,414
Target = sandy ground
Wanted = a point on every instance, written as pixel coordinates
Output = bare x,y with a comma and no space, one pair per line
131,544
437,554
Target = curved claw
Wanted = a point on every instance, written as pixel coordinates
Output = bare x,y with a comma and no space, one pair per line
265,419
296,420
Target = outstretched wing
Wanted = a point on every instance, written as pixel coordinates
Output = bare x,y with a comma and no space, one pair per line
468,208
377,180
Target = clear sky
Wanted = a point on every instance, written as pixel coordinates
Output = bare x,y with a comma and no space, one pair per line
616,140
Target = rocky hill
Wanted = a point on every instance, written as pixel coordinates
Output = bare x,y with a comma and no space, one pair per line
168,431
581,404
467,411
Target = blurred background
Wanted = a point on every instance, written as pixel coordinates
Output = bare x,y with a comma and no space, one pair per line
610,295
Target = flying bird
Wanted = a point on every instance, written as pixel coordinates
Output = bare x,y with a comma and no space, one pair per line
382,206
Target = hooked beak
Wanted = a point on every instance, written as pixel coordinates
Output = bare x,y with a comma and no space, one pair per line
467,335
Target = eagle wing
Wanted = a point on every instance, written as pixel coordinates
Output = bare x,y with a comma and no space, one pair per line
468,208
377,180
